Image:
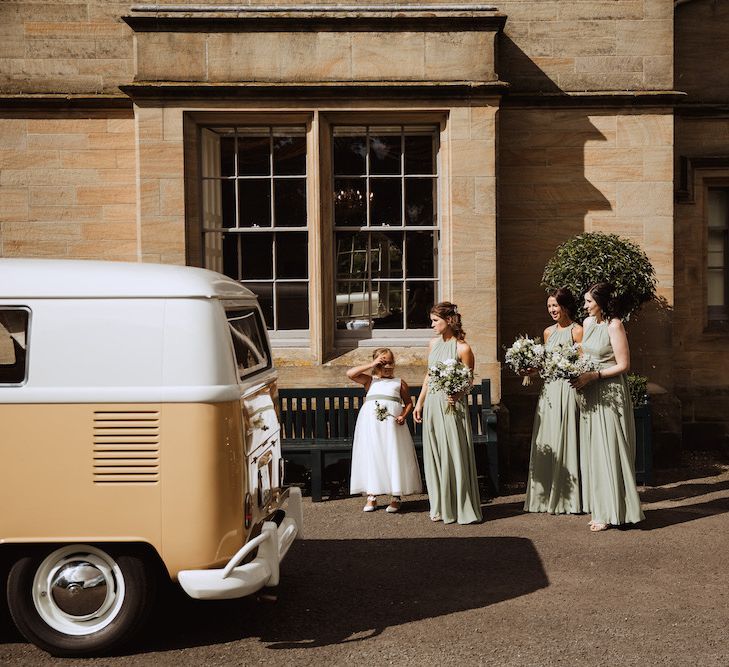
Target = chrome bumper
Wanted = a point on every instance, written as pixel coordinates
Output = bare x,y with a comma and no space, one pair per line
236,580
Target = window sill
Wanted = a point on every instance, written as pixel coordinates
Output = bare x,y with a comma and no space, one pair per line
393,341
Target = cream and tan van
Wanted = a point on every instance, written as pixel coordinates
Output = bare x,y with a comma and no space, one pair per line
139,436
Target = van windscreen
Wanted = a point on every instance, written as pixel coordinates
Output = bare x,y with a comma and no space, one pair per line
249,341
13,345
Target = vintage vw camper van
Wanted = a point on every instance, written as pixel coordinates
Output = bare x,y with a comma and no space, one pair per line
139,437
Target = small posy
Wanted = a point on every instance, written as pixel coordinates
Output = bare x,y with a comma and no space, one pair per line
381,412
565,362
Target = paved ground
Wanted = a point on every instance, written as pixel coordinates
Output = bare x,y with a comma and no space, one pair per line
518,589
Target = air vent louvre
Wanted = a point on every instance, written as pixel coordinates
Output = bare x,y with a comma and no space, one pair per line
126,447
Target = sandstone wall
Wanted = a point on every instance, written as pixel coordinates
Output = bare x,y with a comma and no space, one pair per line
68,186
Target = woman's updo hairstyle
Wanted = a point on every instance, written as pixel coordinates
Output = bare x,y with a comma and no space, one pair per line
603,295
449,312
566,300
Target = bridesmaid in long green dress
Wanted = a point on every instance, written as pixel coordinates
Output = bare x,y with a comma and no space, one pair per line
554,465
607,425
450,464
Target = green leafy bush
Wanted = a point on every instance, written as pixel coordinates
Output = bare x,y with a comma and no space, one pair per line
595,257
637,384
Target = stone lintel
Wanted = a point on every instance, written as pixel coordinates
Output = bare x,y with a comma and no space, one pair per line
352,18
327,90
595,99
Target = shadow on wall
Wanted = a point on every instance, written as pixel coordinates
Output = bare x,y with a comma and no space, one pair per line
378,583
544,199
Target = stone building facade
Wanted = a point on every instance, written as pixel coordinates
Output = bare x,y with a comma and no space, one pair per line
351,163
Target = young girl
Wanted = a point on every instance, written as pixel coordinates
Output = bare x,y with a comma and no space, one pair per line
383,454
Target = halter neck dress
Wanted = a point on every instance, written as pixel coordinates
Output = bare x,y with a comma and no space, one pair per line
554,465
607,437
449,461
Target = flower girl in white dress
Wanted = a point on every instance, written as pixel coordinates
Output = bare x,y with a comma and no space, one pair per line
383,454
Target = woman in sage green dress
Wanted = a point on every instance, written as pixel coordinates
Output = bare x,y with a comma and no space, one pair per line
607,425
450,464
554,465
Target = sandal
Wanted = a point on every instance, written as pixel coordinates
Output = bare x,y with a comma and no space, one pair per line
371,505
596,527
435,517
394,506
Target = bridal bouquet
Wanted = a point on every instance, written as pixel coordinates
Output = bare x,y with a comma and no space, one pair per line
450,377
525,355
564,362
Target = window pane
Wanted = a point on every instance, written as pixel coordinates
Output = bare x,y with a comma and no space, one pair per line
419,198
351,255
257,256
249,343
420,298
716,241
255,202
353,304
350,150
264,292
227,189
227,156
386,255
292,305
289,153
13,345
385,153
230,256
421,255
254,155
419,154
715,284
388,297
385,202
350,196
292,255
718,208
290,202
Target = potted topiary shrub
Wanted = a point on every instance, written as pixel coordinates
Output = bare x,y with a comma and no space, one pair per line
595,257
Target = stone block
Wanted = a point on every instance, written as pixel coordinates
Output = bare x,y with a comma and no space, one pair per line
473,158
658,163
98,195
323,56
119,213
28,159
13,133
126,159
49,232
388,56
485,195
88,159
645,199
80,49
33,248
63,213
591,64
51,196
601,9
645,38
459,56
459,123
649,130
105,231
110,140
13,204
118,251
580,81
462,195
55,142
658,72
172,124
170,56
172,196
163,160
483,122
149,197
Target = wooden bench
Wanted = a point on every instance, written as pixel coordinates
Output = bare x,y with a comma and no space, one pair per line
318,426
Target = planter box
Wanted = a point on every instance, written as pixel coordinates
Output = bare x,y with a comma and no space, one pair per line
643,445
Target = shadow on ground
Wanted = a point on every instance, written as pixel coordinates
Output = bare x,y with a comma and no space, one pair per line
341,591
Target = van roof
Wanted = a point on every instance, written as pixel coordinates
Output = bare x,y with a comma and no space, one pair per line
74,278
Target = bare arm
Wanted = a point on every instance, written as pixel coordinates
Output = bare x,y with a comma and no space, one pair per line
577,333
359,375
407,401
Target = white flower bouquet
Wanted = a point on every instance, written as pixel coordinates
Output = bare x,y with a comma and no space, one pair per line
525,355
450,377
565,362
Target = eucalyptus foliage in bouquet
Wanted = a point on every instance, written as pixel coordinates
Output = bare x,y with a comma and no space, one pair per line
450,377
525,355
637,385
564,362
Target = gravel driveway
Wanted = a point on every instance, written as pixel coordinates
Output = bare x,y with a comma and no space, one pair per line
382,589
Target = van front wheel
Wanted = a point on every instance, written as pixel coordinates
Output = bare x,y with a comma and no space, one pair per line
80,600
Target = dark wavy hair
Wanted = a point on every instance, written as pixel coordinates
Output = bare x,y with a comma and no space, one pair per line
449,312
604,295
566,300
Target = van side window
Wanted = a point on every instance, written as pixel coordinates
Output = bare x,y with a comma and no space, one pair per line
249,341
13,344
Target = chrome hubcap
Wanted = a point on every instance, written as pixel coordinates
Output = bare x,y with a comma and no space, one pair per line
79,588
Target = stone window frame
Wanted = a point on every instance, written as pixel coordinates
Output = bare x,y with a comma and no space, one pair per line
320,339
716,319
